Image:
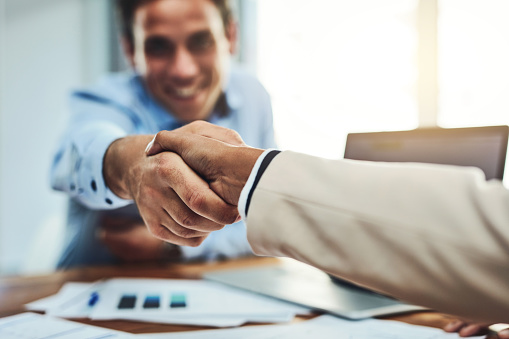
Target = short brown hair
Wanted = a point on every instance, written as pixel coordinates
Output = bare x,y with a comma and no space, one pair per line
127,9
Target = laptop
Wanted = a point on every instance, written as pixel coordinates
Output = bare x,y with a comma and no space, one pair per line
483,147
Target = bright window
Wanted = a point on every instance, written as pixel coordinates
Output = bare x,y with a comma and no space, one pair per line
473,60
337,66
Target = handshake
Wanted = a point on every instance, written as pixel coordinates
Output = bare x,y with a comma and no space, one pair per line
190,181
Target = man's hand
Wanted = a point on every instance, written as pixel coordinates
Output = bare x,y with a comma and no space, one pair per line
176,204
207,149
469,329
466,329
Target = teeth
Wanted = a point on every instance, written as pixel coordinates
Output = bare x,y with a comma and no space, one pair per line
186,92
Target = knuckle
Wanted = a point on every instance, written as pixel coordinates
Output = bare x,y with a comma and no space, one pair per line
188,220
162,166
195,200
234,135
160,135
198,124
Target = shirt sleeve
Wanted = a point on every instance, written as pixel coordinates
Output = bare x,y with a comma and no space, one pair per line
260,166
78,163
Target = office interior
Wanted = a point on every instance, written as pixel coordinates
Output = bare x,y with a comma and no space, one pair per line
331,67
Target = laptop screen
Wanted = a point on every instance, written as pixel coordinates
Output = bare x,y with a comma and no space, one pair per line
483,147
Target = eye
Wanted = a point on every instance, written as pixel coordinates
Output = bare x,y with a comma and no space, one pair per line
201,42
158,47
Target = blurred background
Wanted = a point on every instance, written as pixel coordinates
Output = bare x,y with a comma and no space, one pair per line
331,67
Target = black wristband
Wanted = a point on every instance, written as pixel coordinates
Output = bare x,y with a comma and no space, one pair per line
263,166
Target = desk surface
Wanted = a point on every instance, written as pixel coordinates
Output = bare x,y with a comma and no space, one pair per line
17,291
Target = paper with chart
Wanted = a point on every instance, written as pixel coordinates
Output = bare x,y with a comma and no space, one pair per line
189,302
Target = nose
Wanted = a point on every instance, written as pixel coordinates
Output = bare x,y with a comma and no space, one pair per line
183,65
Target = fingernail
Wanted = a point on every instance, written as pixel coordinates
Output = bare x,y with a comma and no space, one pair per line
149,146
504,334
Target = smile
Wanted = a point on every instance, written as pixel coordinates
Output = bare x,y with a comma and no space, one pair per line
185,92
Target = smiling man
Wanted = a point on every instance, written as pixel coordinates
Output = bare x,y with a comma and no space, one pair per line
124,206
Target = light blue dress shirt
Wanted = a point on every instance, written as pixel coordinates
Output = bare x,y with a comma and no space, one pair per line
117,106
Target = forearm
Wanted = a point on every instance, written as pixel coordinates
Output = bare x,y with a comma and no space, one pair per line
431,235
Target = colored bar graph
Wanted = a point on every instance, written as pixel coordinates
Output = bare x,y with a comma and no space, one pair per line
178,300
128,301
151,301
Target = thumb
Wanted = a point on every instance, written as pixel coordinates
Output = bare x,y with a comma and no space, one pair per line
195,150
166,141
152,149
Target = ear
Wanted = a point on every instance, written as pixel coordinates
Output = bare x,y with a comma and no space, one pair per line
232,35
128,49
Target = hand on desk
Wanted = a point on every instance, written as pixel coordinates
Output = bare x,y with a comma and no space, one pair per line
176,204
468,329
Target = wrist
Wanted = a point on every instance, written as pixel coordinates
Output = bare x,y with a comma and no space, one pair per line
246,161
240,170
121,164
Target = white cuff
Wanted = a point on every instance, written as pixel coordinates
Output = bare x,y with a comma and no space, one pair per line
249,183
86,172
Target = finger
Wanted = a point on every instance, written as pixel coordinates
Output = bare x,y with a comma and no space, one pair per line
162,218
185,217
212,131
454,326
504,334
472,329
181,214
200,128
201,199
165,232
196,194
173,142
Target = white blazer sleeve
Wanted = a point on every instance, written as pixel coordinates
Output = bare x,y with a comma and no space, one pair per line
432,235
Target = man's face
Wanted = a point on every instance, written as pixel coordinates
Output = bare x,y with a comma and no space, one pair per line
182,51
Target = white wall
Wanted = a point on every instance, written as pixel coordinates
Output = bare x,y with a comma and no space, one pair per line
47,47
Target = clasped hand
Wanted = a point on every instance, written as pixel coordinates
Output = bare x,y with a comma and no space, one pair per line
189,182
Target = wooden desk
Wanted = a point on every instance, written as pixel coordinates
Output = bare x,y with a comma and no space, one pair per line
17,291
